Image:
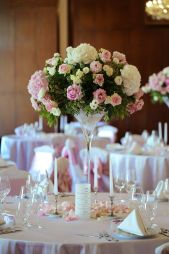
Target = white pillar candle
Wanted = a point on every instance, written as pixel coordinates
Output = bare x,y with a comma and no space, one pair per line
55,189
165,133
40,123
111,178
95,175
160,130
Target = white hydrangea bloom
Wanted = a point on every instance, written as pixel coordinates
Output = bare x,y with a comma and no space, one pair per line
131,79
84,53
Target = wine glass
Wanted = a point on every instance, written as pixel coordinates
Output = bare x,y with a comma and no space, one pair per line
130,181
119,181
150,207
166,188
4,189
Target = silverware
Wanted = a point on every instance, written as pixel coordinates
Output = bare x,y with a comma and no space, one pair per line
102,235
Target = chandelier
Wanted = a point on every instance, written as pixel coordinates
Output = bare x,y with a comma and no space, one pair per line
158,9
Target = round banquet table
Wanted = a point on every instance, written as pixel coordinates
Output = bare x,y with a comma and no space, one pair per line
60,237
20,149
149,169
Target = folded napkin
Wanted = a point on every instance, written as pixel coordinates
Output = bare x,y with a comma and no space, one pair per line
135,148
159,190
134,224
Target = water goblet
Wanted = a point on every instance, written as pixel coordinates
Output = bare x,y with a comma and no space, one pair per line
119,181
130,180
150,207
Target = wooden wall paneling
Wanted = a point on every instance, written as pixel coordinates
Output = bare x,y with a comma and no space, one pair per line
120,25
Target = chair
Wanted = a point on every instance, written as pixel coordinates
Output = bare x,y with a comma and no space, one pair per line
17,179
162,249
43,160
107,131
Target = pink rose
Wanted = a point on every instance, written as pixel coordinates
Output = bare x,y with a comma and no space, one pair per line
121,57
105,55
95,66
133,107
116,99
37,82
74,92
51,61
64,68
48,103
139,94
100,95
98,79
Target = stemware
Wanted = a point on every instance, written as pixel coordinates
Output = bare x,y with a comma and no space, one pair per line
4,189
150,207
119,180
166,188
130,181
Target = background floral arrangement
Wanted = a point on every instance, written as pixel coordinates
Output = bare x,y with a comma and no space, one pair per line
86,79
158,86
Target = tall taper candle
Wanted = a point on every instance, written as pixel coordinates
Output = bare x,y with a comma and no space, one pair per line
165,133
160,130
111,178
55,189
95,176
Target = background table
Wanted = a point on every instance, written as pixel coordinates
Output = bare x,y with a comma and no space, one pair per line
149,169
58,236
20,149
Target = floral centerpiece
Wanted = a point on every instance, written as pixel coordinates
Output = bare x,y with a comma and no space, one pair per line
158,86
86,79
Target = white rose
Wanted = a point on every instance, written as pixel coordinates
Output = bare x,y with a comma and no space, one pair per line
118,80
94,104
79,73
108,70
55,111
131,79
51,70
84,53
86,70
41,94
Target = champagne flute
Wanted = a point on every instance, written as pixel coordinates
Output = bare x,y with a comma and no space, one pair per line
4,189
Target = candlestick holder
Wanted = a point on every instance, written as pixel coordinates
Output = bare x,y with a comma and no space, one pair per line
111,205
95,194
56,203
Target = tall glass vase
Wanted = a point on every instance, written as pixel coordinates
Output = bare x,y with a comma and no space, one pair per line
88,125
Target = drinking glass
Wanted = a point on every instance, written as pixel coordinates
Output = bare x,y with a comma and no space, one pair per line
137,196
4,189
130,180
27,209
150,207
166,188
119,181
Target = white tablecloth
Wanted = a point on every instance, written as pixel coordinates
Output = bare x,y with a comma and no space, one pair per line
20,149
149,169
60,237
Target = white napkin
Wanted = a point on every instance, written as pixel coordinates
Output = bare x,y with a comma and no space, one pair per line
135,148
134,224
160,190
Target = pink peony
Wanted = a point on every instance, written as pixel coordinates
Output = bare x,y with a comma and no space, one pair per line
64,68
105,55
95,66
100,95
37,83
116,99
74,92
98,79
121,57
